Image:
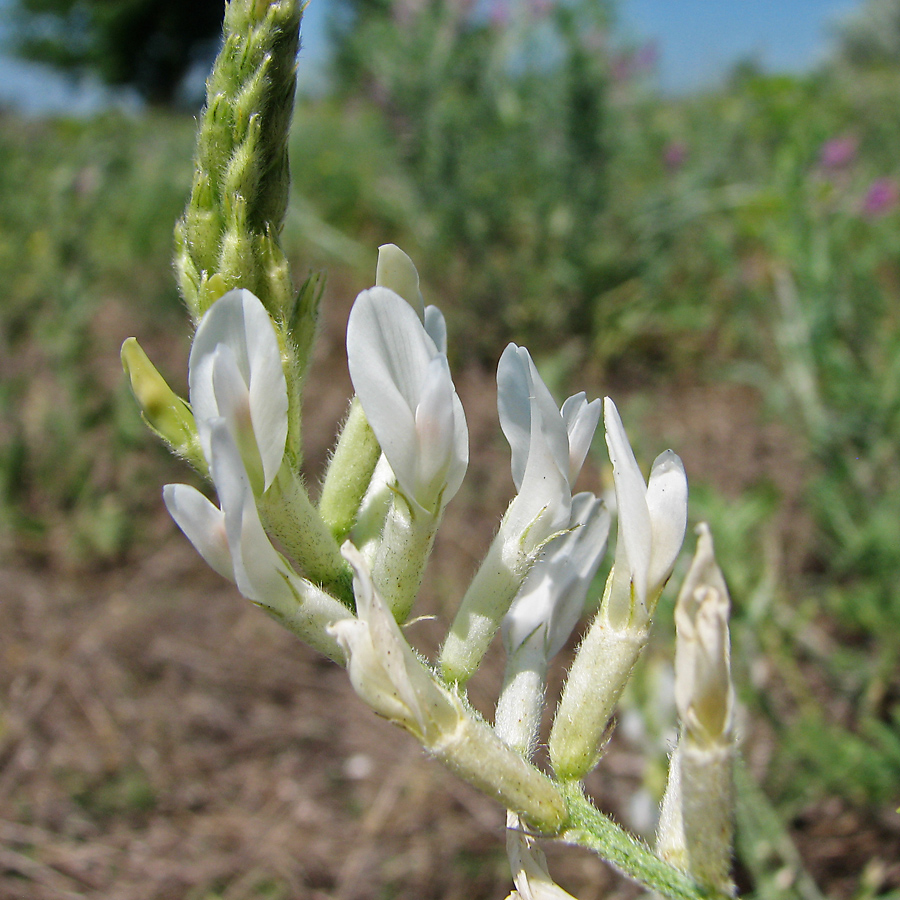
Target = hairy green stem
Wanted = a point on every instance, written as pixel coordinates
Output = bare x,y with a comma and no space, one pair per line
349,472
588,827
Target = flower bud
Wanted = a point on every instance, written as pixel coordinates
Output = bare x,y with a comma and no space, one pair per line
695,829
162,409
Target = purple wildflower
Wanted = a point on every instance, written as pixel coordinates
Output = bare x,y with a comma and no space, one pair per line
881,198
675,155
839,152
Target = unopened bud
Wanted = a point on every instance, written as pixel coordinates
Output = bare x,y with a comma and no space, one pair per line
162,409
695,830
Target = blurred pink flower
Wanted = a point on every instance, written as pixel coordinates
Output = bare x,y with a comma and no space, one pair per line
674,155
646,57
498,15
541,8
594,39
620,67
838,152
634,62
881,198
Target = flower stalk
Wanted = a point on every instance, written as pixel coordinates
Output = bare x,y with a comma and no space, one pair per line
344,573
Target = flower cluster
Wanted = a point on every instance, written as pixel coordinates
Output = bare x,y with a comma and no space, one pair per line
344,571
350,601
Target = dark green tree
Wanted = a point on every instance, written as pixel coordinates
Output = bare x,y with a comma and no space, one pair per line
148,44
869,37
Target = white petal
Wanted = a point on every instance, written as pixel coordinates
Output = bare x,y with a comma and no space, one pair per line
395,270
554,592
392,362
514,407
585,551
239,321
388,354
532,607
259,571
554,428
436,327
460,456
434,431
203,524
233,401
581,420
634,535
543,503
667,499
523,399
268,388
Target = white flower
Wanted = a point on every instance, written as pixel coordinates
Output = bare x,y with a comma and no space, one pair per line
383,668
403,382
542,617
389,676
703,691
235,373
548,445
234,544
552,597
231,540
652,522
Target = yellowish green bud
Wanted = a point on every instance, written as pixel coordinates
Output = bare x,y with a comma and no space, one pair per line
275,280
162,409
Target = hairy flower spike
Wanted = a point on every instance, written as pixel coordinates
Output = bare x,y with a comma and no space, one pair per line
344,575
241,153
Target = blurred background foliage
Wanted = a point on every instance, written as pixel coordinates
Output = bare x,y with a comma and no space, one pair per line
150,46
746,236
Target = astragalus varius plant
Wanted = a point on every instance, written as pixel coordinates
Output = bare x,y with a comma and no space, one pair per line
343,572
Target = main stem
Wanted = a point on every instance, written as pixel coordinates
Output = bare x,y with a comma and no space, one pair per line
588,827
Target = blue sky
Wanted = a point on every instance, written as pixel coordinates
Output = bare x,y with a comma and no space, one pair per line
698,40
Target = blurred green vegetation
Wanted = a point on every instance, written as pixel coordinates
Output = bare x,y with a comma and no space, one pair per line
748,235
